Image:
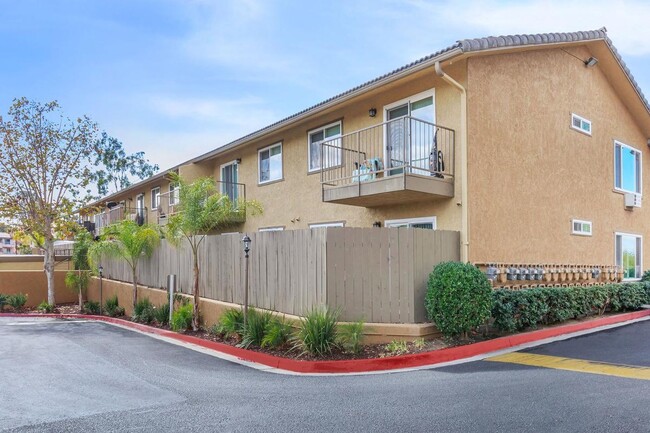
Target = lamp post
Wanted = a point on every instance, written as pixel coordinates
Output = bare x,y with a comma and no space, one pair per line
101,278
247,242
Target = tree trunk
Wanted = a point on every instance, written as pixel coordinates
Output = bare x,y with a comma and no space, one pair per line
195,315
81,296
48,266
135,289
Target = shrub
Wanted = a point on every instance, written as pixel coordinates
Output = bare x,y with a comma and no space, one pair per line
17,301
46,308
351,335
3,301
459,298
161,314
646,276
112,307
514,310
91,307
396,347
277,332
255,328
231,323
182,318
143,311
317,334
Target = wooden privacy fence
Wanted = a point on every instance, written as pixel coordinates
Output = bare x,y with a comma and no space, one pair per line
378,274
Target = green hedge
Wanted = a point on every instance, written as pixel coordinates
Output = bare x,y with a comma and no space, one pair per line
515,310
459,298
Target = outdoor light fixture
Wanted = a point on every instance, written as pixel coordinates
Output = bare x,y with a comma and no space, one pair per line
238,161
101,283
376,224
101,271
591,62
247,243
372,112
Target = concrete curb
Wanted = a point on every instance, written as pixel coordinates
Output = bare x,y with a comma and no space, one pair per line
402,362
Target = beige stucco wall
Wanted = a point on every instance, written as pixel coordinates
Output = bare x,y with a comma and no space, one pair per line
298,196
34,285
530,174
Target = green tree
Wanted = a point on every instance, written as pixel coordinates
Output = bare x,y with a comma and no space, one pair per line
79,279
44,172
128,241
114,168
203,209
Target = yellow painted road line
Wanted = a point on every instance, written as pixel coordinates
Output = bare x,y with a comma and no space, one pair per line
570,364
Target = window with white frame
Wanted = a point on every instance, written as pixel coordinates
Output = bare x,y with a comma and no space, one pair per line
581,124
331,152
270,163
627,168
416,223
271,229
581,227
173,194
155,197
331,224
628,254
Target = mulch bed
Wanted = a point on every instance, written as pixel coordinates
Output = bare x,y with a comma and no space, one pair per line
367,352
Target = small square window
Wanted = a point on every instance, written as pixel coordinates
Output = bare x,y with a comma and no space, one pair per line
581,124
581,227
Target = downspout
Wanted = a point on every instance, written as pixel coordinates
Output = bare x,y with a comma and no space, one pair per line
464,219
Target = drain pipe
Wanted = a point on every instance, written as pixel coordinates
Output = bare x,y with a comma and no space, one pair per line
464,219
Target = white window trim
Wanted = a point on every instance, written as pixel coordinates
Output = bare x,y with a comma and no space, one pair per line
639,259
235,163
581,233
271,229
153,196
432,219
620,143
173,194
327,224
323,128
259,173
582,119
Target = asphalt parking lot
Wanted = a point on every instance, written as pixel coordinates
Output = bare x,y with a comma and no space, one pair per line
77,376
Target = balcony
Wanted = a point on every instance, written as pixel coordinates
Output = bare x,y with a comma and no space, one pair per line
400,161
168,203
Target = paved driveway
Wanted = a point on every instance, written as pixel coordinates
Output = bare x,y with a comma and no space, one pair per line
77,376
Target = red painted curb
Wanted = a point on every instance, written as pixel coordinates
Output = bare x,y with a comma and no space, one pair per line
363,365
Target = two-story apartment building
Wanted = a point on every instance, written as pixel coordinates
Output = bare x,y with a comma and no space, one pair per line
533,147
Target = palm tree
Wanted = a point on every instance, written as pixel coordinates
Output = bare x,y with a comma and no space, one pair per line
128,241
78,279
203,209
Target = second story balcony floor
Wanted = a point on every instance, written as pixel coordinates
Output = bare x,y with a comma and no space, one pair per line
402,160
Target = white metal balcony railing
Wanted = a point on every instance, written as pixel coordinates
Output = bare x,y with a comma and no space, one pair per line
404,146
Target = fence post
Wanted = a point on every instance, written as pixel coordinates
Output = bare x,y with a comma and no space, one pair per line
171,287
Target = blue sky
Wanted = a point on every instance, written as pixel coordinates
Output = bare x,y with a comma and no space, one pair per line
177,78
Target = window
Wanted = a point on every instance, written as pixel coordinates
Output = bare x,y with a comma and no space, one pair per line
627,168
173,194
155,197
331,152
270,163
628,254
229,177
332,224
271,229
581,124
416,223
581,227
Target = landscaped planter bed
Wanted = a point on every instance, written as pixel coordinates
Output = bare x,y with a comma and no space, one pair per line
375,351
